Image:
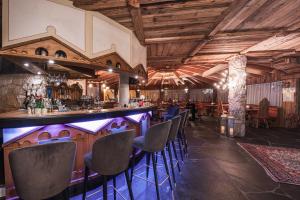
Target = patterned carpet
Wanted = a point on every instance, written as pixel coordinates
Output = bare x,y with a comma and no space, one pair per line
281,164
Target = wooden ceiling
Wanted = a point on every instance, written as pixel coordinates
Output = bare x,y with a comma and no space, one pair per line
188,37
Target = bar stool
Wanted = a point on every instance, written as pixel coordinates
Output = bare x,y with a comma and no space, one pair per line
42,171
153,142
171,140
109,157
186,117
180,137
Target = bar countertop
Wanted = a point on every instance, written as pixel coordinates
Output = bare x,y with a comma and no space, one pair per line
20,118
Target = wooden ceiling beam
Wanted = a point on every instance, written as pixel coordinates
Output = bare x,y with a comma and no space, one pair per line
222,21
154,40
213,70
137,20
99,5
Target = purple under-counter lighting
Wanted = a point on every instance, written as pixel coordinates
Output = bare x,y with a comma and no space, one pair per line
11,133
92,126
137,117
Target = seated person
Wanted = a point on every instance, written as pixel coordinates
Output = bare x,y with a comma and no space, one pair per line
172,111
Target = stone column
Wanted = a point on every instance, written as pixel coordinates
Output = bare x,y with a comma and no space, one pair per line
123,89
237,93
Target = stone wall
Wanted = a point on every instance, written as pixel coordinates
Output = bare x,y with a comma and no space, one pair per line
13,88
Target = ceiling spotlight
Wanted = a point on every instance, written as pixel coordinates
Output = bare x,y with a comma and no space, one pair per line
51,61
39,73
138,90
186,90
136,77
26,64
110,70
90,85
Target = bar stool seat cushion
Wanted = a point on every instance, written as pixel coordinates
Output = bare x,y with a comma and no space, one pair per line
88,160
139,142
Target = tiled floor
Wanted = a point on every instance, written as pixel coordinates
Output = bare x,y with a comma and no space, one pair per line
218,169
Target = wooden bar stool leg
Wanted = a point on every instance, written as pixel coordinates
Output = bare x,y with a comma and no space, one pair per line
167,168
155,175
171,161
86,178
129,185
115,186
105,187
176,157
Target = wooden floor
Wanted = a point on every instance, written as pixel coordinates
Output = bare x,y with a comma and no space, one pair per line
218,169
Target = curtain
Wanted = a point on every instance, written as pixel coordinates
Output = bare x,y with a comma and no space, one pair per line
178,95
271,91
201,95
152,95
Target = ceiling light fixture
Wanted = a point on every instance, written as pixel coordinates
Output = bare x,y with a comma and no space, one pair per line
51,62
110,70
26,64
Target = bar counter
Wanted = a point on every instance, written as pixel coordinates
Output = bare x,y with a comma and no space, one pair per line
19,129
20,118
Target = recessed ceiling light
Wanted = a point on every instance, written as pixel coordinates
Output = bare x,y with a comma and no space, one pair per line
51,61
110,70
26,64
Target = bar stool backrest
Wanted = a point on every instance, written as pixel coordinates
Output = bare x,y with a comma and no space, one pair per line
182,121
42,171
174,128
156,137
186,118
111,154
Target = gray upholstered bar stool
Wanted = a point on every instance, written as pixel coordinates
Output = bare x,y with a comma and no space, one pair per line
180,137
171,141
153,142
182,131
42,171
109,157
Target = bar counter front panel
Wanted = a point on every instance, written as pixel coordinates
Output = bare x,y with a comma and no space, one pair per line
19,129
